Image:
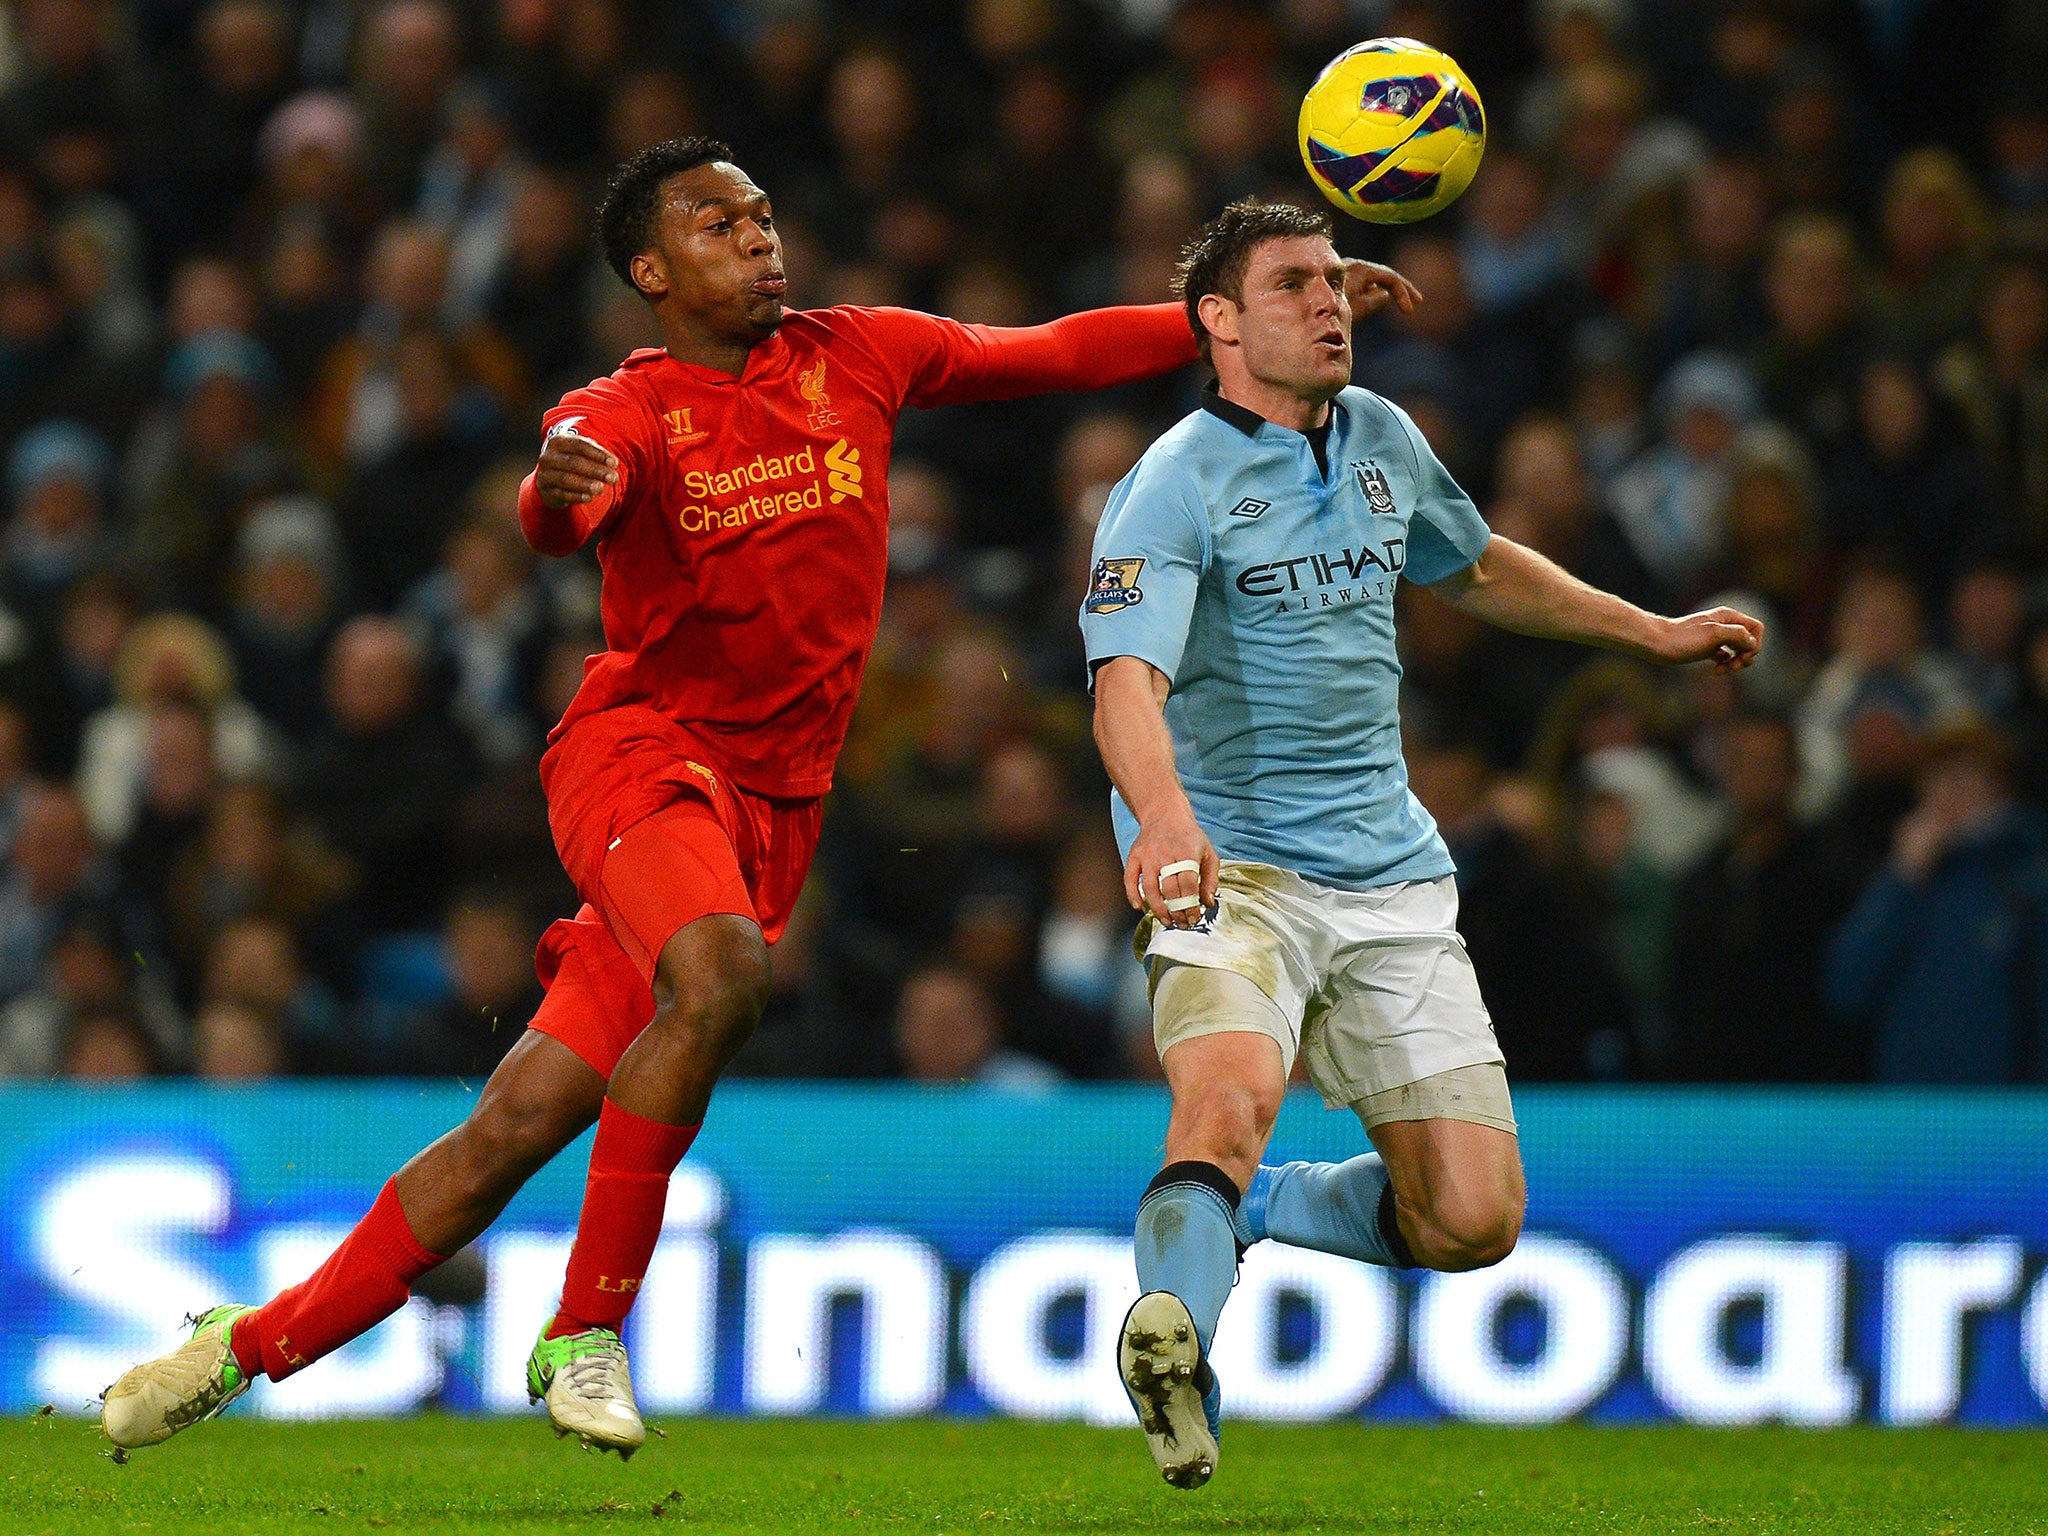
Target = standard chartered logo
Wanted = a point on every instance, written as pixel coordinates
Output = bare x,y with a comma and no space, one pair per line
728,498
842,470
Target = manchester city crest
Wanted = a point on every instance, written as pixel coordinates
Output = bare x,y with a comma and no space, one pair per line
1372,482
1114,587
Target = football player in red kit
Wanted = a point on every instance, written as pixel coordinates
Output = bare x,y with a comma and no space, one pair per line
735,481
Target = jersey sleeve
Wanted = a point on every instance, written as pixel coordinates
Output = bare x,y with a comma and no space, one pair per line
936,361
1150,551
608,414
1446,533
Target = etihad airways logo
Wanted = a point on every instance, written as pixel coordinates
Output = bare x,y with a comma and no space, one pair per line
727,498
1332,578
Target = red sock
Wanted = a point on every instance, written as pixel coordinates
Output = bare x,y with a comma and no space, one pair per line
363,1282
630,1164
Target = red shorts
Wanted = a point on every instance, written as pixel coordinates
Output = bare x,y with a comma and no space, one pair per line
646,870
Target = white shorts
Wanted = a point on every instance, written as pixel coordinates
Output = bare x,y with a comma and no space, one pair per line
1372,988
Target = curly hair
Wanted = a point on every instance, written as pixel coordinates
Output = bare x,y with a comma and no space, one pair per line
1214,260
631,207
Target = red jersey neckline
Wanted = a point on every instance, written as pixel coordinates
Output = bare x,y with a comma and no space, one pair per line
766,357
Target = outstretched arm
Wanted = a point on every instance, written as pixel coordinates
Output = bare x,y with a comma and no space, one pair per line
1130,730
1516,588
1096,349
1099,348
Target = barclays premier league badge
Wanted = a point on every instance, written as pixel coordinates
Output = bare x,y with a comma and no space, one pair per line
1114,586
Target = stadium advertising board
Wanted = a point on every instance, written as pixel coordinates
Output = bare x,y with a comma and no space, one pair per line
1723,1258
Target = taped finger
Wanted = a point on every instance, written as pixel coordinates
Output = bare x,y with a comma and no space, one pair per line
1182,903
1180,867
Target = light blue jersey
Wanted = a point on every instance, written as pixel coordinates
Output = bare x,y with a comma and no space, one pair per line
1265,590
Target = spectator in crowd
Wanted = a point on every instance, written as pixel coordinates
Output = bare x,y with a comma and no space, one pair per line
382,779
1542,486
1085,963
1932,228
1881,668
68,680
949,1029
1940,958
1747,928
15,779
1806,361
1711,296
1558,1007
287,596
106,1045
168,661
1906,483
250,861
404,499
86,972
1997,380
54,874
197,469
809,1028
1670,501
57,485
234,1043
1987,617
207,159
1777,547
485,620
254,965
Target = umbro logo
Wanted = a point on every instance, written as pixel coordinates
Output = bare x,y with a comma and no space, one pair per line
1251,506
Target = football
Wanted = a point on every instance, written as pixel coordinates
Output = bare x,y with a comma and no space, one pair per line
1392,131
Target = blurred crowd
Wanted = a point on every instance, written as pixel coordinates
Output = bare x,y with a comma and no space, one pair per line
1748,302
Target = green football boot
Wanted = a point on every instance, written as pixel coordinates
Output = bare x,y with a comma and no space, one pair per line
583,1379
192,1383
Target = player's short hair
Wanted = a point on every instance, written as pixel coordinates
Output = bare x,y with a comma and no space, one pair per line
1214,261
631,206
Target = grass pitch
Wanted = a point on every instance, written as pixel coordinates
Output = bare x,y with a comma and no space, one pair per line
458,1477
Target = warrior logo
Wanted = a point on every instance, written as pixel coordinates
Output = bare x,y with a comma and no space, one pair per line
1114,586
1372,482
680,433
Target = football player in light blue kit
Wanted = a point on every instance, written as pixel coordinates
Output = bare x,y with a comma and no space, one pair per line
1240,630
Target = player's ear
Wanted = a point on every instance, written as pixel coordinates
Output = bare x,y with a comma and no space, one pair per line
650,276
1219,317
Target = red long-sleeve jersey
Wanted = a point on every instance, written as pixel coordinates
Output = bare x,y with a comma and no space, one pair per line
745,544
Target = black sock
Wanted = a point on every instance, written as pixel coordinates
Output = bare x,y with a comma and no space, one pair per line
1390,1230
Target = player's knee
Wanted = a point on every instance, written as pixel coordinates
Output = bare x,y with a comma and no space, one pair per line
1471,1230
711,992
1231,1121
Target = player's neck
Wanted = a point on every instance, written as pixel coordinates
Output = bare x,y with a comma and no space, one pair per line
687,343
1280,406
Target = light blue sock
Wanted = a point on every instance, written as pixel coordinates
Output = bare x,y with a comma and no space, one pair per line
1340,1208
1185,1242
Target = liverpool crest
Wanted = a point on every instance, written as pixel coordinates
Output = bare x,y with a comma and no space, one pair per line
811,385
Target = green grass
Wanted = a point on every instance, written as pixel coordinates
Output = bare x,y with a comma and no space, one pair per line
459,1476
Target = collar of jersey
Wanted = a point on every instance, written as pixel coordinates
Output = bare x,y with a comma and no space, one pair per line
765,358
1241,417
